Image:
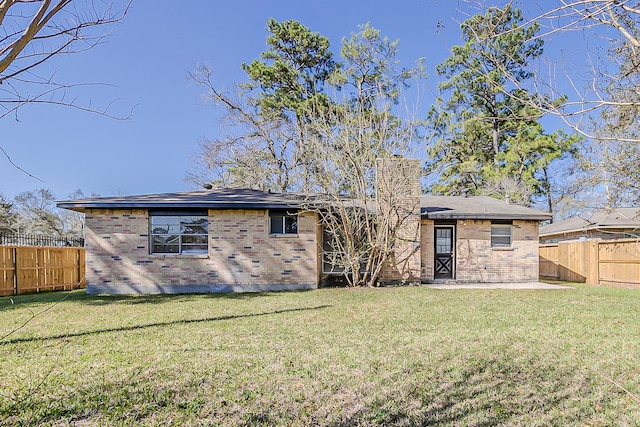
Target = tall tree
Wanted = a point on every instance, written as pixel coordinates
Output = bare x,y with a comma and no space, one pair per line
601,24
364,227
611,161
268,114
304,118
602,70
618,129
291,74
487,135
37,213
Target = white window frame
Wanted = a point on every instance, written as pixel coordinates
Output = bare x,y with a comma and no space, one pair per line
499,225
180,234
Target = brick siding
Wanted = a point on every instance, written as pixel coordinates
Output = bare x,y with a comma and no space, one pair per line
477,261
241,256
398,187
427,253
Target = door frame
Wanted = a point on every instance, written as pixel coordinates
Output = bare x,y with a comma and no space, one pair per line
452,257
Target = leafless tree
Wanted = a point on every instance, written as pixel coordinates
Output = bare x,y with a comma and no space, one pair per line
253,150
7,215
366,192
361,150
577,93
34,212
32,32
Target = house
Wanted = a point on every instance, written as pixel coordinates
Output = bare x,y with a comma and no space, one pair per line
615,223
478,239
248,240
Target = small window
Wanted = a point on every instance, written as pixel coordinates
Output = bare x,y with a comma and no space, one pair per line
500,235
283,222
179,234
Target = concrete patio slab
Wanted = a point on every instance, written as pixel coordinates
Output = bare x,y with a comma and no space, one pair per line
527,285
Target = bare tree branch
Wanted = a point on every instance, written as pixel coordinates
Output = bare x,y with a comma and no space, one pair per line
18,167
33,32
609,23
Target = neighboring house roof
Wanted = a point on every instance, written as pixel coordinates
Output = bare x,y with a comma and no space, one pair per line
476,207
617,218
432,207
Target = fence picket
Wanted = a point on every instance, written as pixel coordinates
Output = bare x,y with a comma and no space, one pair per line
25,269
595,262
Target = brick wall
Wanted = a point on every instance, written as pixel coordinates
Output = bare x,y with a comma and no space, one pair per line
242,255
398,195
476,261
428,250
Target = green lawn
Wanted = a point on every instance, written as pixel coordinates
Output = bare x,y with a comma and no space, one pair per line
388,356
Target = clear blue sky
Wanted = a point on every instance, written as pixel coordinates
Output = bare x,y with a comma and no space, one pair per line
147,59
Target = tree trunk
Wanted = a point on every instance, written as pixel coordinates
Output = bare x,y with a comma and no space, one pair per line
547,190
496,148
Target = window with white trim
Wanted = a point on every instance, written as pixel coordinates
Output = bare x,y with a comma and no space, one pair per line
283,222
501,234
186,233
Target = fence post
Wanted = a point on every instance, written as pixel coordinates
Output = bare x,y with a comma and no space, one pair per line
16,278
593,262
82,266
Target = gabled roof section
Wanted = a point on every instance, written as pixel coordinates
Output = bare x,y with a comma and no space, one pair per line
617,218
476,207
228,198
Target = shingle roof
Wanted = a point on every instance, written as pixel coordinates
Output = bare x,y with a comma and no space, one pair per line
625,218
476,207
228,198
433,207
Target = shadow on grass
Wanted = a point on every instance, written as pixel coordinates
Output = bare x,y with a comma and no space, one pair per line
79,296
171,298
477,395
161,324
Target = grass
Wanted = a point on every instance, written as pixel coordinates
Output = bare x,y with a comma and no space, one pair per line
338,357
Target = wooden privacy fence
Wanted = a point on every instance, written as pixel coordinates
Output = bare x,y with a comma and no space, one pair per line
595,262
25,269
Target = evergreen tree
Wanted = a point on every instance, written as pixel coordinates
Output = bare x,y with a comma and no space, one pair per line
265,146
487,136
7,215
290,75
365,124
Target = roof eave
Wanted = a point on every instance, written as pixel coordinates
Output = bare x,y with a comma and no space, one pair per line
82,207
489,216
588,228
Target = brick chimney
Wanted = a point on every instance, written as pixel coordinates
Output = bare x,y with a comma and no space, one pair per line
398,194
